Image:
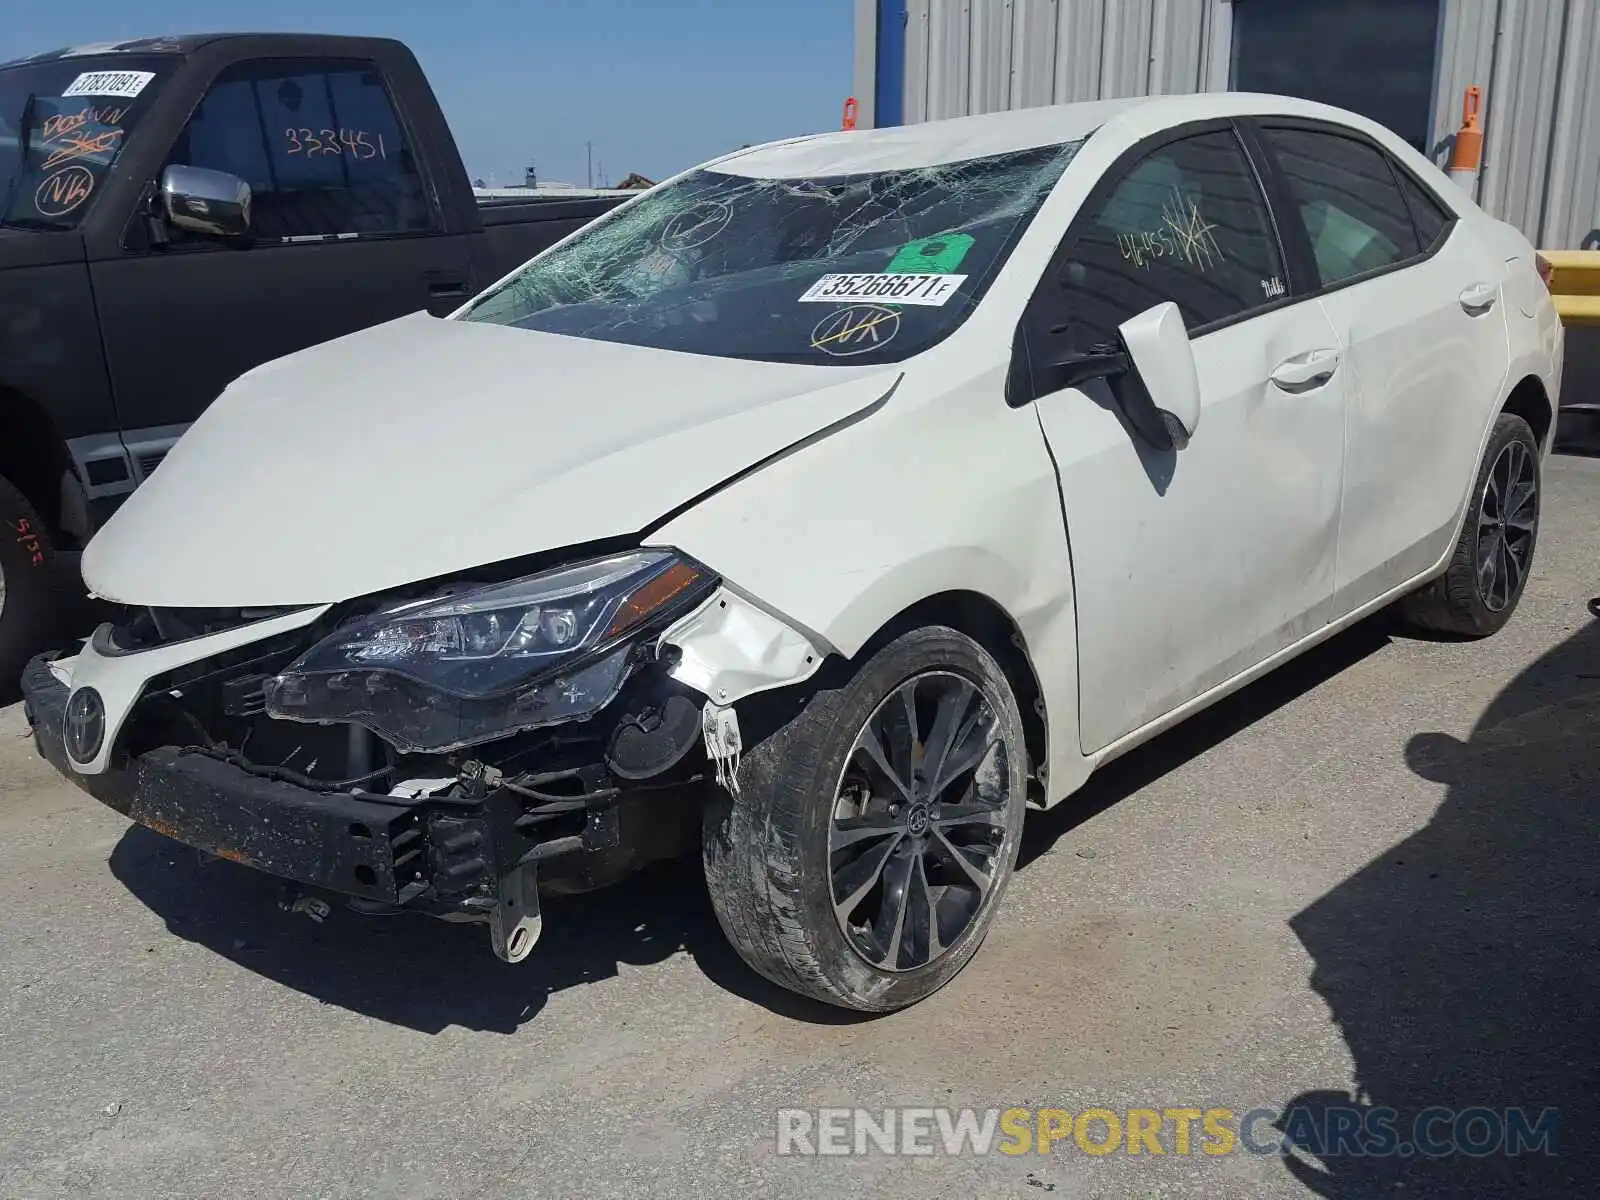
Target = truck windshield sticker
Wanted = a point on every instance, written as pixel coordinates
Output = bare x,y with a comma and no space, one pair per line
126,84
939,255
901,288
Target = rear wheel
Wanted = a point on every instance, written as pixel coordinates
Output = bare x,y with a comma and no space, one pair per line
866,853
27,561
1487,573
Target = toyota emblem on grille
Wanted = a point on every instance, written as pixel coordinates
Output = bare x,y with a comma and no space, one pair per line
85,727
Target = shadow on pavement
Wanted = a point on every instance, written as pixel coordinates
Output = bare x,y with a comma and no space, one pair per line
428,975
1122,777
1463,966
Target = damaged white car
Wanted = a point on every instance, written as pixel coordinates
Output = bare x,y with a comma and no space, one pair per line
829,504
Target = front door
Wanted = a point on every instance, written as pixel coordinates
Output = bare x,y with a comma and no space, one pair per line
1191,565
344,235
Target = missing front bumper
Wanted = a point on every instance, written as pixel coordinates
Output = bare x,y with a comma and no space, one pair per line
474,854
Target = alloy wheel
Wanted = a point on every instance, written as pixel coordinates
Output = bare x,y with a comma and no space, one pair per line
919,821
1508,514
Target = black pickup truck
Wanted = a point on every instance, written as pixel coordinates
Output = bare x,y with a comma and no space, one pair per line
175,211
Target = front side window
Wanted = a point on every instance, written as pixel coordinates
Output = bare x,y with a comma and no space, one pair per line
857,268
1348,200
1186,223
319,144
63,123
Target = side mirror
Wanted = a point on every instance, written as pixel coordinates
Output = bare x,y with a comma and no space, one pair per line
1157,345
205,201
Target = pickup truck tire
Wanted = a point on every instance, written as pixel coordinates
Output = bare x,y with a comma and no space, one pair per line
834,880
1489,568
27,571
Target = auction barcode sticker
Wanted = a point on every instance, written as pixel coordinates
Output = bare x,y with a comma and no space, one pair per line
886,289
126,84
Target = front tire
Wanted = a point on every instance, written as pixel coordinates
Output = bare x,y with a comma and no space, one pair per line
873,835
1480,588
27,567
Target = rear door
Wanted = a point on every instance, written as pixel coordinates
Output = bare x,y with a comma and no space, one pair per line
345,233
1195,564
1420,318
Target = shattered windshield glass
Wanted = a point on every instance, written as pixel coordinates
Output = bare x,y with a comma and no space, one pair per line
848,268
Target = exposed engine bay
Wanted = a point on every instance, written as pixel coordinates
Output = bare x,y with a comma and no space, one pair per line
454,749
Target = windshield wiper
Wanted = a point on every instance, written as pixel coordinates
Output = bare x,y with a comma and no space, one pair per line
24,136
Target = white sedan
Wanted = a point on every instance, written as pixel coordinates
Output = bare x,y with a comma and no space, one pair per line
834,502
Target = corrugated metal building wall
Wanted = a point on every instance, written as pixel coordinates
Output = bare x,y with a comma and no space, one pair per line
1537,61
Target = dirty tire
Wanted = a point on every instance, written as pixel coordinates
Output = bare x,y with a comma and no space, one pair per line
767,852
27,568
1454,602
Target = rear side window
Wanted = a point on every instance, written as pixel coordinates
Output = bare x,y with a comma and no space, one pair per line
319,144
1186,223
1430,217
1348,200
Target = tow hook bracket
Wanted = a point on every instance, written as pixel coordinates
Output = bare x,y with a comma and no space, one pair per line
515,923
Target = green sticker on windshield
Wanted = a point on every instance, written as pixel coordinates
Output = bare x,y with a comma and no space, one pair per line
939,255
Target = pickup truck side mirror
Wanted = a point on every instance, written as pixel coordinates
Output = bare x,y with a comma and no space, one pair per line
205,201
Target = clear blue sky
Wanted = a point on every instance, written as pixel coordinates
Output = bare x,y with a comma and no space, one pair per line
656,85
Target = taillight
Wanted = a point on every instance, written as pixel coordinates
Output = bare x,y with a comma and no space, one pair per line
1545,268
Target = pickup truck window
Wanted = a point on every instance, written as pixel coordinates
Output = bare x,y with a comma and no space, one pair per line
72,116
319,144
848,268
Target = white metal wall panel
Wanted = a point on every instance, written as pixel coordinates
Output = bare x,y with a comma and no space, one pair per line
1177,47
918,18
1572,196
1034,42
1125,53
949,60
990,86
1522,111
1080,34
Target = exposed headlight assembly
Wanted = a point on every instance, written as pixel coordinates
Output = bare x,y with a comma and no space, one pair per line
451,671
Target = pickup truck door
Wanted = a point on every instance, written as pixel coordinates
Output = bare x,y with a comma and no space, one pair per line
345,233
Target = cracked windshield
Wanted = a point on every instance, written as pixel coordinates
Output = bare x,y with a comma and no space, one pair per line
62,124
872,267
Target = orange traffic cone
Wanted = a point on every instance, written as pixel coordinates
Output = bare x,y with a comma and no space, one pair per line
1467,155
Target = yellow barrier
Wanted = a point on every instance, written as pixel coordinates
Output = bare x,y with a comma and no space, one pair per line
1575,285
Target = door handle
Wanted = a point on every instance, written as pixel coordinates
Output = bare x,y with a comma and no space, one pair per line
445,283
1479,298
1306,371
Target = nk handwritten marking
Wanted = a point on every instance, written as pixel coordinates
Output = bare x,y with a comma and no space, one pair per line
64,191
855,330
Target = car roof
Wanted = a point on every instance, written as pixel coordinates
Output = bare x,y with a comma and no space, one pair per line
174,43
934,143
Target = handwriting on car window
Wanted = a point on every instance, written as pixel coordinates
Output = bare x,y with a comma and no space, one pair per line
65,138
360,144
1183,234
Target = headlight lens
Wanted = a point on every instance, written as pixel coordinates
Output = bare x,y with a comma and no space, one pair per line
450,671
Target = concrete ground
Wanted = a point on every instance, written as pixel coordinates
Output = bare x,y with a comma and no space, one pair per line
1374,873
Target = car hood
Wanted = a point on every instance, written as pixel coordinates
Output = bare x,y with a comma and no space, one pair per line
424,446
